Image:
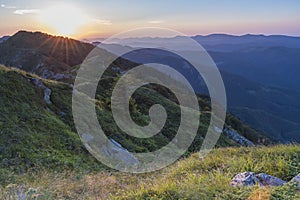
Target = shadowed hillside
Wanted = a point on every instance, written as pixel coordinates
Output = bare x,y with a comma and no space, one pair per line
43,54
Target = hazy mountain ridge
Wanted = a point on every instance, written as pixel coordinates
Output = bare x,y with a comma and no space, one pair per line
246,41
214,42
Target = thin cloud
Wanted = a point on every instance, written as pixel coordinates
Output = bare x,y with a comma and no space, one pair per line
26,11
8,7
156,22
102,21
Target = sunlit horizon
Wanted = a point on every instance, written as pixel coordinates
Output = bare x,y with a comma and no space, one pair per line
94,19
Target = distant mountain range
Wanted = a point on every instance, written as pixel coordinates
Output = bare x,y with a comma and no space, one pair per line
214,42
261,73
261,76
223,42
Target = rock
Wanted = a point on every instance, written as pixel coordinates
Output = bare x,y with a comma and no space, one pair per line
250,179
37,67
38,83
117,144
244,179
46,74
296,179
119,154
217,129
232,134
47,93
268,180
63,76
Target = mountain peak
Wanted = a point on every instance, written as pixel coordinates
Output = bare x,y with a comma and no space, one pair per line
41,53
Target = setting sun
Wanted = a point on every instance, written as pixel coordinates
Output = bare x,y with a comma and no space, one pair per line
63,19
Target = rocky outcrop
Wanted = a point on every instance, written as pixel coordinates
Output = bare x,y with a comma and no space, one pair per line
114,150
267,180
37,67
46,74
235,136
120,154
47,94
47,91
251,179
244,179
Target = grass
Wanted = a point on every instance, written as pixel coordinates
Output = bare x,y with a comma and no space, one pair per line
42,157
189,178
35,135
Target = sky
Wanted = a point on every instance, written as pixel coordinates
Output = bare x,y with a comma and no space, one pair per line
103,18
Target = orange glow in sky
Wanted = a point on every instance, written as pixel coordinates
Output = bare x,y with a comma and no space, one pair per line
92,18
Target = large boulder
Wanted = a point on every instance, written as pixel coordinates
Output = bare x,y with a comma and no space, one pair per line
244,179
267,180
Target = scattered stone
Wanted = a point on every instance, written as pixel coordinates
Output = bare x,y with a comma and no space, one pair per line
63,76
46,74
267,180
37,67
244,179
38,83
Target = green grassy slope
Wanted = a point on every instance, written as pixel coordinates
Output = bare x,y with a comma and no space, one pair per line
35,135
30,135
189,178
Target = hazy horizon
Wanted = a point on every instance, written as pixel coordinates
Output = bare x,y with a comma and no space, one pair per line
90,19
94,38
